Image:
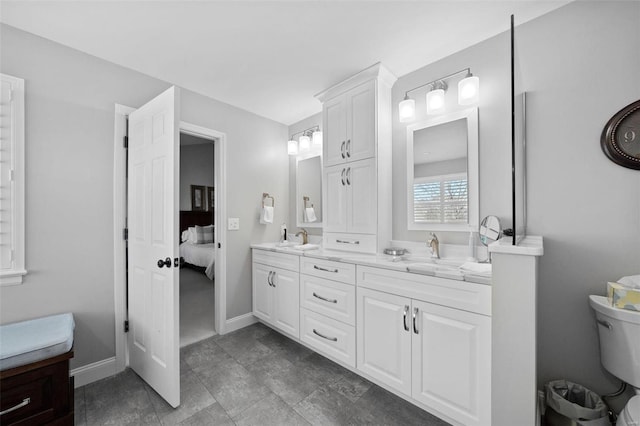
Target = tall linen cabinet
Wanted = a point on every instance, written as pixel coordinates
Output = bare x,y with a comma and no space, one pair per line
356,191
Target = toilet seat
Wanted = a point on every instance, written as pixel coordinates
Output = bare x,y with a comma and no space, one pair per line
630,414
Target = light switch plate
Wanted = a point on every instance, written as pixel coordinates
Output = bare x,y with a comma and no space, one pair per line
234,223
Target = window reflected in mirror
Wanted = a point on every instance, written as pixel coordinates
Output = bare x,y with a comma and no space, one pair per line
442,168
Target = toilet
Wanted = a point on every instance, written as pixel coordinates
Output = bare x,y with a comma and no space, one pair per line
619,331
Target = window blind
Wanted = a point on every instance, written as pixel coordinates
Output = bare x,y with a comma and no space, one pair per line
11,180
441,199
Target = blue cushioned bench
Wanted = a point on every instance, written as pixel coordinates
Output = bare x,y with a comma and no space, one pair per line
35,387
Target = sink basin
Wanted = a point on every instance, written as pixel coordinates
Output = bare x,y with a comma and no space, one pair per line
305,247
286,244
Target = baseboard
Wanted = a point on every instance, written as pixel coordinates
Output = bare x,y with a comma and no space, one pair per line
239,322
93,372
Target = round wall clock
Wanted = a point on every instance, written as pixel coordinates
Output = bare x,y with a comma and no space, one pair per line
620,139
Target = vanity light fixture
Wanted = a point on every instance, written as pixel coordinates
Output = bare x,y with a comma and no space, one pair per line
407,109
468,94
304,143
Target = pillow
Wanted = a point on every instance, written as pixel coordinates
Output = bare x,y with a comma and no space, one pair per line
204,234
192,234
185,236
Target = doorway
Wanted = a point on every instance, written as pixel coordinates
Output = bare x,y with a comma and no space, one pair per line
197,255
218,140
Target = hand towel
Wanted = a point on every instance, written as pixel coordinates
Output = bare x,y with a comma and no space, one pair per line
266,215
310,214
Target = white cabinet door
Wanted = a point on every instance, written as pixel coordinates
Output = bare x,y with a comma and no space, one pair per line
384,338
334,117
361,122
262,294
334,201
361,197
452,362
286,301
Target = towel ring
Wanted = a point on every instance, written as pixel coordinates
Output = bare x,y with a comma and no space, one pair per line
305,200
266,195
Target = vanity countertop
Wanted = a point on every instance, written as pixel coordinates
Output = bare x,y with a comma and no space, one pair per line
447,268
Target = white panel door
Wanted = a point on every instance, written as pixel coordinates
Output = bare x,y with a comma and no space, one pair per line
452,362
334,131
361,197
262,294
361,122
153,338
286,301
384,338
334,201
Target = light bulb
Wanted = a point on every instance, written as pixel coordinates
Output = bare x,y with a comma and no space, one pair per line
316,138
435,101
305,143
407,110
469,90
292,147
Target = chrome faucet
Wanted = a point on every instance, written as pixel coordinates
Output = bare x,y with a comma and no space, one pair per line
305,236
434,245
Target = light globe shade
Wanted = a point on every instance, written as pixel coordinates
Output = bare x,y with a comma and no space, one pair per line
435,101
469,90
407,110
292,147
305,143
316,138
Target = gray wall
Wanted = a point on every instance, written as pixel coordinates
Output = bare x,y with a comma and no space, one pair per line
70,99
196,168
579,66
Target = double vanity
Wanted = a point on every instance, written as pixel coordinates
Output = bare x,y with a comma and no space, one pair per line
424,337
458,344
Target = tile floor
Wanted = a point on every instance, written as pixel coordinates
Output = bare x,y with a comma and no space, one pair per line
253,376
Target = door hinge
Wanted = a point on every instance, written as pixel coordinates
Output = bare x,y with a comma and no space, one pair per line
126,326
125,234
125,141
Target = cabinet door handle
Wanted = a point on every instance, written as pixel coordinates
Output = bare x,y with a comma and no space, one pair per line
342,149
404,318
24,403
325,299
347,242
269,279
349,176
323,269
342,177
415,314
348,148
273,277
333,339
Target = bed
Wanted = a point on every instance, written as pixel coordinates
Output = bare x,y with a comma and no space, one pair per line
198,256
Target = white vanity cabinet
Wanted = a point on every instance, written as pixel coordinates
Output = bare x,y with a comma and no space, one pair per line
349,122
357,161
276,290
438,355
328,308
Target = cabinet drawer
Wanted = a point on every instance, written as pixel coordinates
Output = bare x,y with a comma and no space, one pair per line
290,262
441,291
337,271
362,243
333,299
327,336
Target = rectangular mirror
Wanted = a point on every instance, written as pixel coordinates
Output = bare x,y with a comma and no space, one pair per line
309,191
442,173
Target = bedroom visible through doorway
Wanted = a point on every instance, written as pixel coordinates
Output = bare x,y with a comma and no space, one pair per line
197,238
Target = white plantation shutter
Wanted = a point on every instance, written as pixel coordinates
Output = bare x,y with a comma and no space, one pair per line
441,199
11,180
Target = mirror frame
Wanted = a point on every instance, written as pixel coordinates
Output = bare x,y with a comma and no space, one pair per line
298,201
471,115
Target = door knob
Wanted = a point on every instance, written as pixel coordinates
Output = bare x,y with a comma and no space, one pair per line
166,262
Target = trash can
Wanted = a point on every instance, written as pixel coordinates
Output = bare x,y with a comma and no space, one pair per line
570,404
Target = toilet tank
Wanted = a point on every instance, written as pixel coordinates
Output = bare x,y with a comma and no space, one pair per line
619,331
